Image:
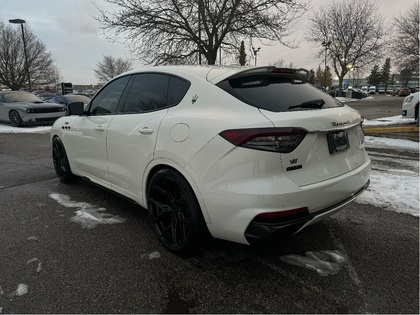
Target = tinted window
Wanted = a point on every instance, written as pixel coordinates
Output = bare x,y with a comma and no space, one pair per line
276,93
148,92
153,91
177,90
107,99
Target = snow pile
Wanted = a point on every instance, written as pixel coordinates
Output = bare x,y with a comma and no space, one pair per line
34,129
393,187
394,120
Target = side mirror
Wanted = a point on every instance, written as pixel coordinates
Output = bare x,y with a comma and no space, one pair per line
76,108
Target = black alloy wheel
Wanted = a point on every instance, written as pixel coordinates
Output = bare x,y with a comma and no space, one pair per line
174,212
61,163
15,119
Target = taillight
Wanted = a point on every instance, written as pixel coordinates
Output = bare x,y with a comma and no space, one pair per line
281,140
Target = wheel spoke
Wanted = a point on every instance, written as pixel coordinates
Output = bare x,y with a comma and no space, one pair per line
160,190
160,211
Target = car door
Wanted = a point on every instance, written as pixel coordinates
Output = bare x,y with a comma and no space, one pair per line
133,132
91,131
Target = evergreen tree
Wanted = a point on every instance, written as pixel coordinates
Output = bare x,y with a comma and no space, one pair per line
242,54
386,72
312,79
323,78
375,76
318,77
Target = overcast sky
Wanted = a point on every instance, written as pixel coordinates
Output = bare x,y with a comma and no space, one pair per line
75,41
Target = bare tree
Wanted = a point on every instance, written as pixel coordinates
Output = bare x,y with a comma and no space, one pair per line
110,67
180,31
281,63
352,31
405,43
12,58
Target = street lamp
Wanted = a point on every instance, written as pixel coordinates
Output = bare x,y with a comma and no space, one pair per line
255,53
326,44
21,22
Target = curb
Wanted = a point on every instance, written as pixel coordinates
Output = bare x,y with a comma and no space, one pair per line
373,130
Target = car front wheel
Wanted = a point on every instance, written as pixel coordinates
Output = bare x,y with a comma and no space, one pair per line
174,212
15,119
61,162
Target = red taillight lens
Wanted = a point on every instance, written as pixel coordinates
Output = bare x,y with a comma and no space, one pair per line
282,214
282,140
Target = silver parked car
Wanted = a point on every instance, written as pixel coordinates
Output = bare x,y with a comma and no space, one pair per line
24,108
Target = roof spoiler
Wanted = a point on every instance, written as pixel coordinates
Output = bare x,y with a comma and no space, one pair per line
302,73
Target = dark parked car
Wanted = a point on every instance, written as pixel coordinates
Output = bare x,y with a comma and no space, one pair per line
21,108
69,98
404,92
358,94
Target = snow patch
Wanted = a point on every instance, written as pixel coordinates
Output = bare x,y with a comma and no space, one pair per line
37,129
395,189
22,289
35,260
88,215
150,256
394,120
325,263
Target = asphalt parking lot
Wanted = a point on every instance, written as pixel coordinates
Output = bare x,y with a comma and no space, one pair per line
383,105
362,260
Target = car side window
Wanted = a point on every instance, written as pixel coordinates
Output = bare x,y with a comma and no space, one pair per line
148,92
154,91
106,101
177,90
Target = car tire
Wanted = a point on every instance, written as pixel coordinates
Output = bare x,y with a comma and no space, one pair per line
15,119
61,162
174,212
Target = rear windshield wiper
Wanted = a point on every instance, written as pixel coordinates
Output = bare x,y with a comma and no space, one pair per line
314,104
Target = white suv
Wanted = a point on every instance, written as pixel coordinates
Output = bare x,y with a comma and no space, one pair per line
243,153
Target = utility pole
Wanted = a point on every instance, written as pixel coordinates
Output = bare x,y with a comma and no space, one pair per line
255,53
326,44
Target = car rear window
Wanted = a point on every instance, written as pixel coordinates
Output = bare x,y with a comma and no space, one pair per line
278,93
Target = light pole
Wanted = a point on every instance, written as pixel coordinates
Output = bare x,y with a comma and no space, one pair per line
326,44
255,53
20,21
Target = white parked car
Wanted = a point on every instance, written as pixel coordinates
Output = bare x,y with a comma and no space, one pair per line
365,89
410,107
243,153
372,89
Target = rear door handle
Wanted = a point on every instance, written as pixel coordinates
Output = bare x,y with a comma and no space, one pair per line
146,131
99,128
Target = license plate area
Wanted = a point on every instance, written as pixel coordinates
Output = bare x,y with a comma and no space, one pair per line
338,141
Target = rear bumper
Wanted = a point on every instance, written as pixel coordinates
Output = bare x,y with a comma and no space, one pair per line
259,230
